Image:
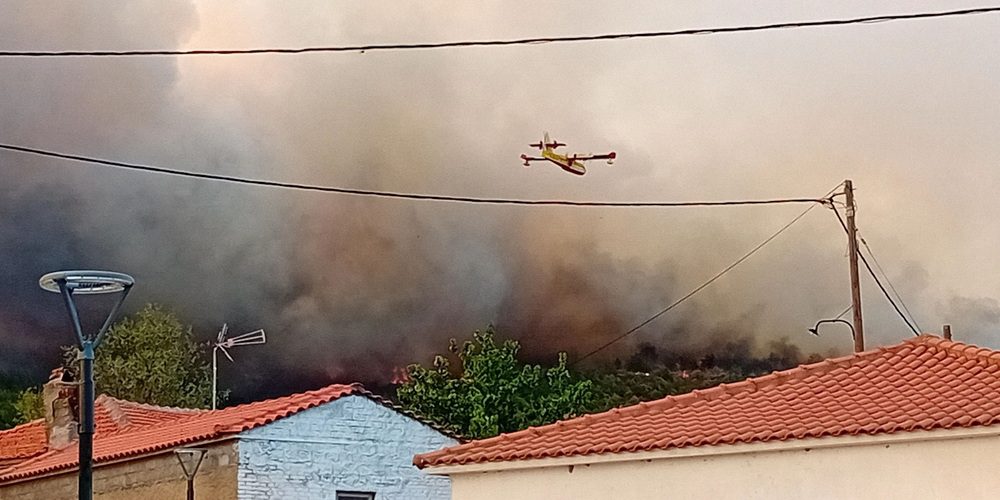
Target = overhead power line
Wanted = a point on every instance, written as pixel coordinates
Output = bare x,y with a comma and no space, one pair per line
700,287
399,195
889,282
493,43
874,276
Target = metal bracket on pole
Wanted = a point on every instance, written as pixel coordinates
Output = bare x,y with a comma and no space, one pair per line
190,466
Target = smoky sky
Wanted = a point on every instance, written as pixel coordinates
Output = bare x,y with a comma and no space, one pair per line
348,287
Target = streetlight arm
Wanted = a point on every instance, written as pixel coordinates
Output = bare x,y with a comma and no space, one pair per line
815,329
74,316
111,317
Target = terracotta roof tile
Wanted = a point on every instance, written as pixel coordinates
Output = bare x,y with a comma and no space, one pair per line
923,383
22,442
127,429
110,415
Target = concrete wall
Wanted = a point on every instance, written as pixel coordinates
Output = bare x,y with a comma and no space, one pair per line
150,478
352,444
958,468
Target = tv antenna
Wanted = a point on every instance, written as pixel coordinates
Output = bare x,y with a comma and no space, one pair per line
222,344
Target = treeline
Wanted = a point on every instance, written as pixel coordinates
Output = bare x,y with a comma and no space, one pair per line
478,387
650,373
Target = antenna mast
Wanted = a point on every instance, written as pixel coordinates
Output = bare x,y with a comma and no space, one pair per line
221,344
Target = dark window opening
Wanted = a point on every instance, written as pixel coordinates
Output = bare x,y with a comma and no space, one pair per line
355,495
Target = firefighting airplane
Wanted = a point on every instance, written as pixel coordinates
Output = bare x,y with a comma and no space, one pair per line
571,163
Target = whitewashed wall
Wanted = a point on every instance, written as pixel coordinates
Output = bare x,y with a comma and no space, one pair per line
965,467
352,444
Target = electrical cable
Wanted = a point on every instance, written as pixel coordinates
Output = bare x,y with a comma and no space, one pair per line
699,288
888,281
845,311
878,282
398,195
488,43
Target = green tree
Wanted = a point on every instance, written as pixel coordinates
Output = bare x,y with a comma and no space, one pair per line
29,405
9,393
18,404
151,357
492,392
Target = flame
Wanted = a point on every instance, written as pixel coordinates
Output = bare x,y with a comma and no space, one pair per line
400,375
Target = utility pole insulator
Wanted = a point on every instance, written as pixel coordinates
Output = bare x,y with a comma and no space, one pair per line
852,248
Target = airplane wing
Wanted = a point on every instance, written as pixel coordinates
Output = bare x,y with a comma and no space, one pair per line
528,159
589,156
610,157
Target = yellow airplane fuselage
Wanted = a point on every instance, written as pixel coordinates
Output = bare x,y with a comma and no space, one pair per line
564,162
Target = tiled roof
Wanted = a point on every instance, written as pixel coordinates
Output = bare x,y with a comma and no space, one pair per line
110,415
116,414
924,383
22,442
127,429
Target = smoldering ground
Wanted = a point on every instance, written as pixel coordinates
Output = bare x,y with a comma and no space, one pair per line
348,287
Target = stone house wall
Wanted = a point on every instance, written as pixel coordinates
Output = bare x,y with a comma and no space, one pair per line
154,477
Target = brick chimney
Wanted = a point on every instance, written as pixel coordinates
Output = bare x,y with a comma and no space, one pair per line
60,397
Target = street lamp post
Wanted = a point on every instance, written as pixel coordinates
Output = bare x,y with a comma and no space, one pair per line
68,283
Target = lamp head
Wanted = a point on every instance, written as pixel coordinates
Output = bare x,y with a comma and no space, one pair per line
86,282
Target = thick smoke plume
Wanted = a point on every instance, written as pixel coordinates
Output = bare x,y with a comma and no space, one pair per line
349,288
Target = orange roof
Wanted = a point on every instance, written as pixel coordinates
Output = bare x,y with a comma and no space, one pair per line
924,383
110,415
127,429
22,442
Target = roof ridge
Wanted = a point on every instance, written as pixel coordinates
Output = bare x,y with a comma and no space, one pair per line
970,351
354,386
148,406
114,409
327,393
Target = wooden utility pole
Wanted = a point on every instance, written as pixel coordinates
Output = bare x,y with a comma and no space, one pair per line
852,248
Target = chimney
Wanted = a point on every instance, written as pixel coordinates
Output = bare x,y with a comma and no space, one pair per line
947,332
60,397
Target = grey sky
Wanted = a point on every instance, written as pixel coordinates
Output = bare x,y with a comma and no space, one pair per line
908,110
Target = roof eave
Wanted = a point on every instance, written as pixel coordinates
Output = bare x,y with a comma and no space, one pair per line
97,465
804,444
